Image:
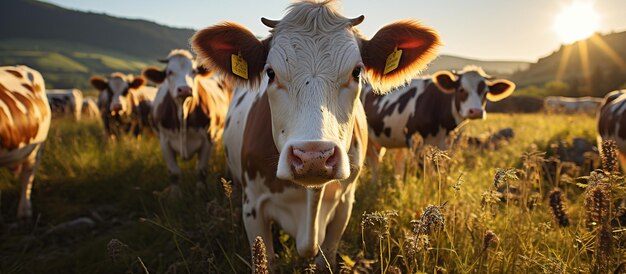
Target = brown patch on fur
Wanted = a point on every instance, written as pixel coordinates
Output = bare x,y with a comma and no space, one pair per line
259,154
25,125
15,73
215,45
167,113
418,44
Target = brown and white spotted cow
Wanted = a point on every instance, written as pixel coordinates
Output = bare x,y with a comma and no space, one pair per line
429,107
24,123
612,122
189,113
296,138
125,103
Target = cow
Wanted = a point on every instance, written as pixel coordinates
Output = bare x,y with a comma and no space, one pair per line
429,108
90,108
189,114
66,101
125,103
296,132
612,122
569,105
24,123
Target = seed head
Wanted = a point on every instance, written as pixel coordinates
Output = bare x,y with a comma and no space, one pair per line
115,248
228,187
609,156
557,204
489,238
432,219
259,256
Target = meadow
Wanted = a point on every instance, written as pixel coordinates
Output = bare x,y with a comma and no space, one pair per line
466,210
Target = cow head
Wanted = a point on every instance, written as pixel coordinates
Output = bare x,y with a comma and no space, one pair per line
312,68
116,91
471,88
178,75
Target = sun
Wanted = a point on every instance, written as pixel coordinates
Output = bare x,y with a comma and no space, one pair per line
576,22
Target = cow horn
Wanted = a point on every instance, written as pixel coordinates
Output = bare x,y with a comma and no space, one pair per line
269,23
356,21
164,61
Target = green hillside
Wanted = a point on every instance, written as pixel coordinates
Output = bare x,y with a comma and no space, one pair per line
68,46
605,69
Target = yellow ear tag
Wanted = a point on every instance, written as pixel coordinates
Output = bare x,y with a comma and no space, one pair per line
240,66
393,60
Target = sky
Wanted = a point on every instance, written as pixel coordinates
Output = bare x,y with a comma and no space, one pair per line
481,29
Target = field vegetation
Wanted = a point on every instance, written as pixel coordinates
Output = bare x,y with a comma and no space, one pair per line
509,207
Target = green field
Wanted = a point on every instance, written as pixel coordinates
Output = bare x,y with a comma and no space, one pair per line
113,185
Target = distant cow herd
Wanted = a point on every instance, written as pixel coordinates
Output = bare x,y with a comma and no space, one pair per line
298,112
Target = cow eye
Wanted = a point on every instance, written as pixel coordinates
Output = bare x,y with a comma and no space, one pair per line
356,73
270,74
169,72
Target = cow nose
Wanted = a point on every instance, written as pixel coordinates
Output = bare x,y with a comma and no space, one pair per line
475,113
183,91
116,107
314,160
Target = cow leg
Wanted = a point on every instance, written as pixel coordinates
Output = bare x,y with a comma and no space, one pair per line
374,156
27,176
398,170
335,230
203,163
173,190
257,224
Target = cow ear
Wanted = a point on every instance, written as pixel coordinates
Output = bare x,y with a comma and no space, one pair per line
217,44
446,81
99,83
418,44
154,74
499,89
137,82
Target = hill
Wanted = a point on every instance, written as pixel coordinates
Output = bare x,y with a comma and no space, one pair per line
499,68
69,46
605,69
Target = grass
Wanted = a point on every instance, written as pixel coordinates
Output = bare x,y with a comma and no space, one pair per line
449,217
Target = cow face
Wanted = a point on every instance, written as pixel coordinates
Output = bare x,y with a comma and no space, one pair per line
116,92
471,88
313,79
178,75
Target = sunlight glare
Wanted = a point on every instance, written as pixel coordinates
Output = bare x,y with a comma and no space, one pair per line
576,22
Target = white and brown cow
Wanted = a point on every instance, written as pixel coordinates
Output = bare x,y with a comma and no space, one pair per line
125,103
296,138
612,122
66,101
569,105
24,123
189,113
429,107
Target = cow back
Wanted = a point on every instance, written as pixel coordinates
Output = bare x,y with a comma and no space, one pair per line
24,109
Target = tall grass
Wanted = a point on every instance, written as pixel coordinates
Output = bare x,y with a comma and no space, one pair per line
464,210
